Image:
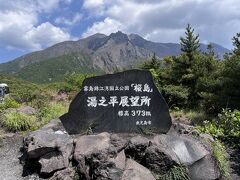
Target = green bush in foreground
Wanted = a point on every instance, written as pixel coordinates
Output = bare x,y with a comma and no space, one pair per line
15,121
191,116
230,122
227,125
52,110
9,103
211,128
220,155
175,173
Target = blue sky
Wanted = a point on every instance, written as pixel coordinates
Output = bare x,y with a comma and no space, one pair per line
31,25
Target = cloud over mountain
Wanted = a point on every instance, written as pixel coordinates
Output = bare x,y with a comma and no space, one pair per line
165,20
27,25
21,28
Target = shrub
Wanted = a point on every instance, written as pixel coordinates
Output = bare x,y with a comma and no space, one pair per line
175,173
227,125
40,100
220,155
52,110
73,82
230,122
15,121
9,103
189,116
175,95
211,128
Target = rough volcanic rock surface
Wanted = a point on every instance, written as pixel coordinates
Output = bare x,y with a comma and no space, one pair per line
107,156
135,171
205,168
50,149
160,159
187,149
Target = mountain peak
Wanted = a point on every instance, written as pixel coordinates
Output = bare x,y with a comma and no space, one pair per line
119,37
137,40
135,36
97,53
97,35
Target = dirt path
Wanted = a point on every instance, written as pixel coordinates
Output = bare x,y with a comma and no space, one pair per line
10,167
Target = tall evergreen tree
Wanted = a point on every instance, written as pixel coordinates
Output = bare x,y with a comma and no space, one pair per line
236,43
210,50
153,63
189,43
231,74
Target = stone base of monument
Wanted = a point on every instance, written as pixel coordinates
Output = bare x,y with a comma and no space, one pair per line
56,155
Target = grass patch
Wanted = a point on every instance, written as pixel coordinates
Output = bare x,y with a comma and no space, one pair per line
52,110
226,126
175,173
188,116
210,128
15,121
8,103
220,155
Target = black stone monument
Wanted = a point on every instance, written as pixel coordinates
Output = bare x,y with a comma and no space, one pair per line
123,102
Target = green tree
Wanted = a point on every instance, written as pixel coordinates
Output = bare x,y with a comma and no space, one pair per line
73,82
153,63
230,96
210,50
236,44
208,69
189,43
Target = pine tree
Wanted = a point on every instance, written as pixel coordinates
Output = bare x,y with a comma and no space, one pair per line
153,63
190,43
210,50
231,74
236,43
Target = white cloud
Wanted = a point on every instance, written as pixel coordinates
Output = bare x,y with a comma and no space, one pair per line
88,4
165,35
46,5
105,27
165,20
20,27
69,22
46,34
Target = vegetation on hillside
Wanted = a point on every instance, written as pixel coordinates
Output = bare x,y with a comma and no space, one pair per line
200,82
50,100
55,69
203,90
20,90
196,80
220,154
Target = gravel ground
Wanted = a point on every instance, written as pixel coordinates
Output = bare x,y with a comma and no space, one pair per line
10,153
